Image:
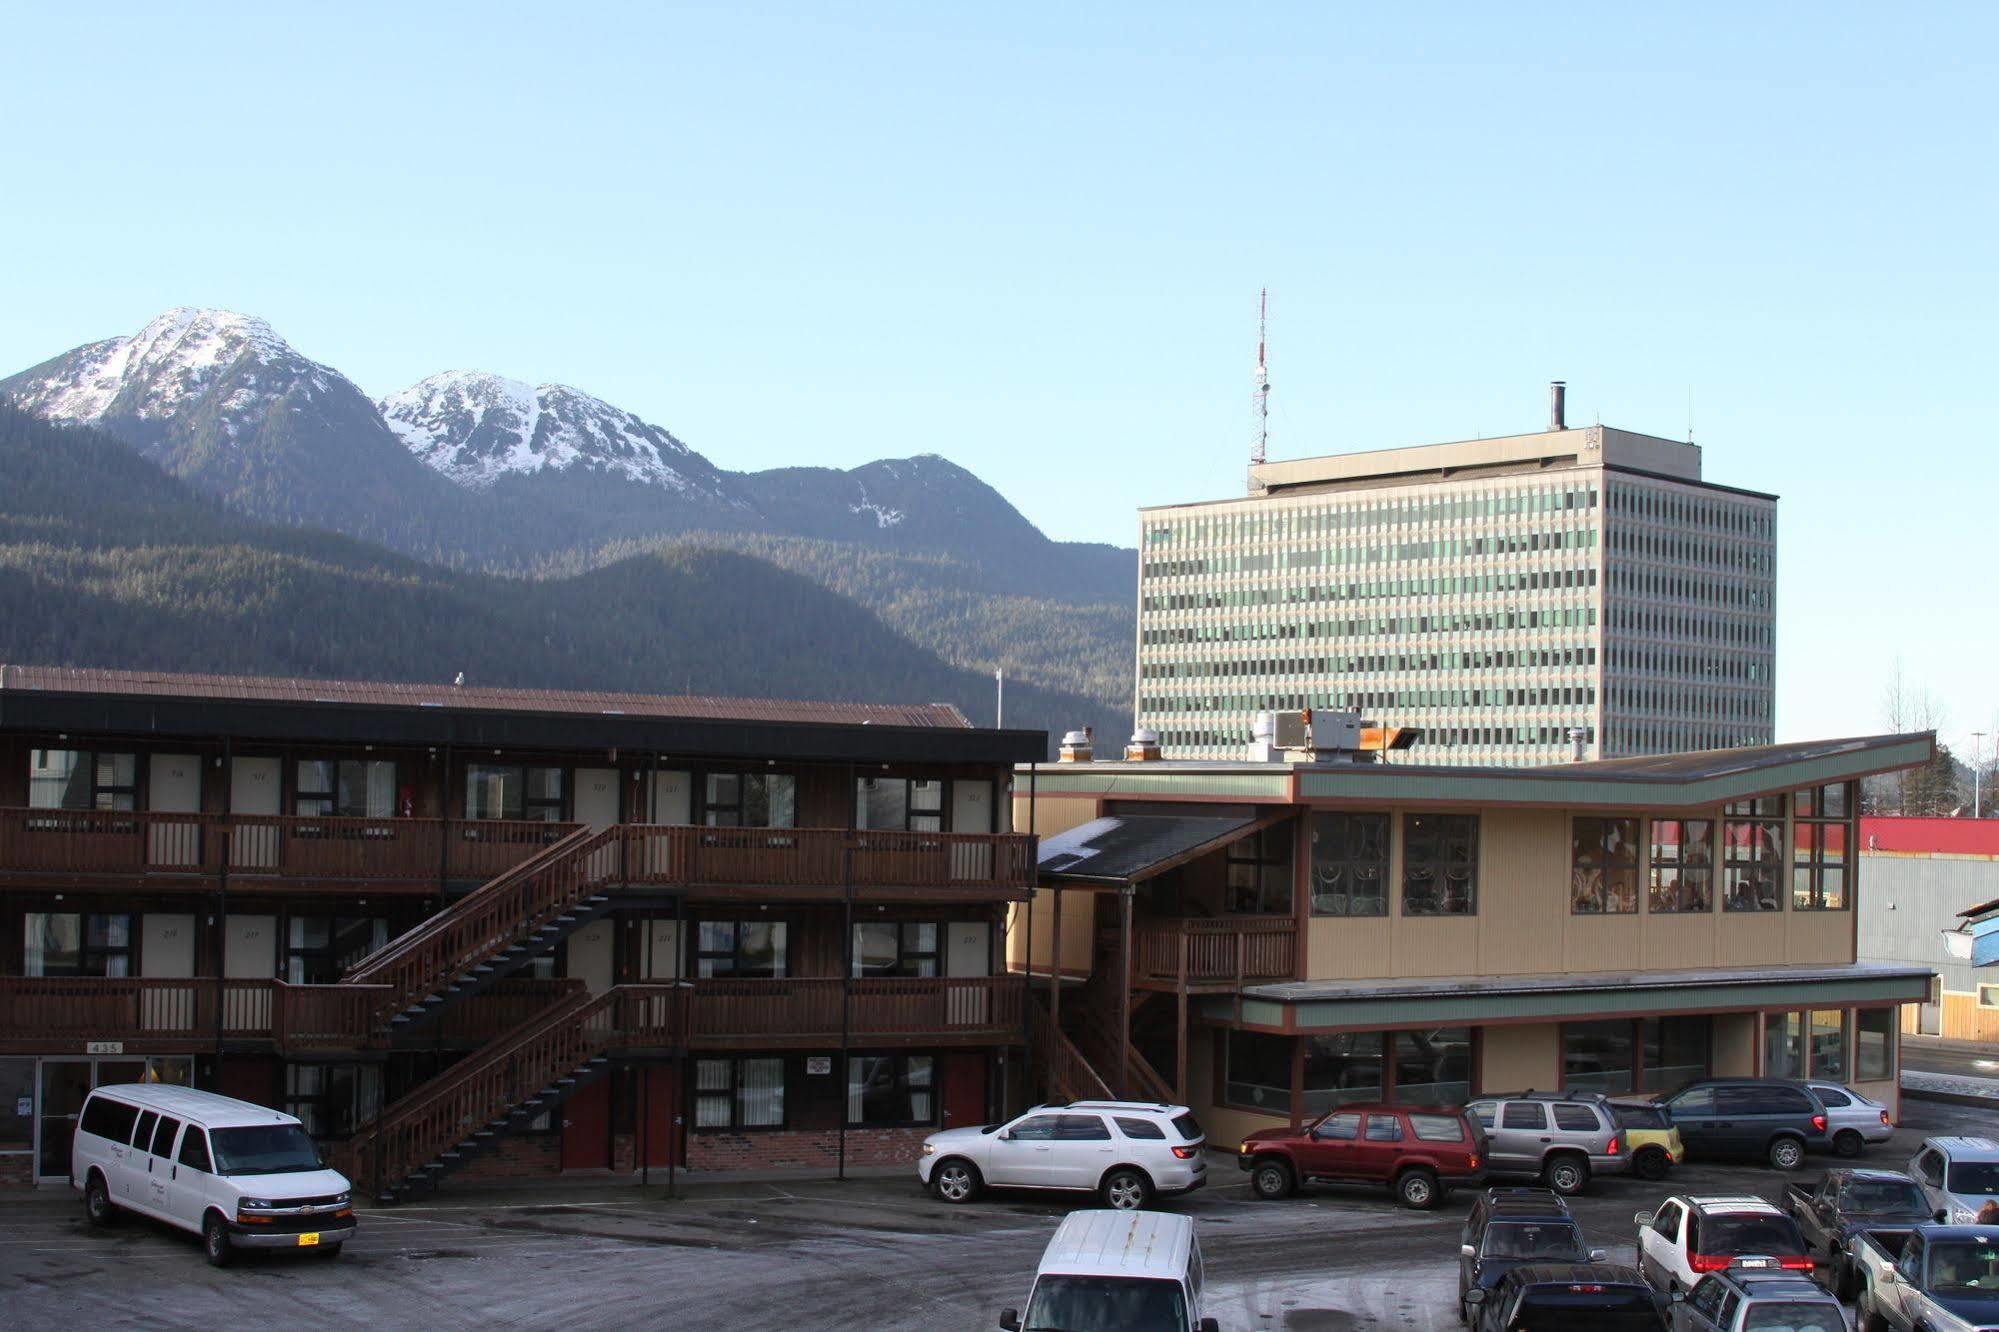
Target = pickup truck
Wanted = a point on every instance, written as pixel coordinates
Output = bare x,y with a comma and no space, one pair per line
1830,1211
1927,1278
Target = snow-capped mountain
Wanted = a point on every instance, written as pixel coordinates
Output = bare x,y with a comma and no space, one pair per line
476,428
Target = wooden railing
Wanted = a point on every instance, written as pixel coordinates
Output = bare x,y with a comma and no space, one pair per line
39,1009
490,1014
1209,951
821,857
877,1006
1068,1073
1095,1037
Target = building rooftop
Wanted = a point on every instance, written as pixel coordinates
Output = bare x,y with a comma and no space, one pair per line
1896,835
1293,992
1138,846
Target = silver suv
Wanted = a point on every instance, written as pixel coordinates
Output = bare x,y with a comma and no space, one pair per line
1126,1152
1561,1138
1959,1176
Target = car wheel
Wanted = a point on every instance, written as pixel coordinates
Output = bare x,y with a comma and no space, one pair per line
1126,1189
215,1241
1272,1179
97,1204
955,1181
1786,1154
1565,1175
1866,1317
1417,1189
1848,1143
1651,1163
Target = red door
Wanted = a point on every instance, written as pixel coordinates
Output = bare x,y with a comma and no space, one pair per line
964,1075
586,1128
1332,1148
1381,1146
659,1106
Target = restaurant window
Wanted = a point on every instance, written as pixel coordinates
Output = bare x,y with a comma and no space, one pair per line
73,944
1828,1043
333,1100
82,779
1753,851
1433,1067
896,948
345,788
1822,831
1257,1071
319,950
513,791
899,804
1603,867
1673,1050
1682,866
1439,864
1783,1045
1259,872
890,1090
738,1093
1349,863
1596,1056
1342,1068
1874,1044
739,948
751,800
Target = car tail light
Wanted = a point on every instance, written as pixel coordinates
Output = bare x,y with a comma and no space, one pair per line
1796,1262
1708,1262
1818,1123
1884,1119
1616,1145
1185,1153
1585,1290
1472,1161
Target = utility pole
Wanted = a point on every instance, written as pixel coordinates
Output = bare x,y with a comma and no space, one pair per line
1977,774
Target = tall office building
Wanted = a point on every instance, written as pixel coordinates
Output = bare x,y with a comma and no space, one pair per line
1498,593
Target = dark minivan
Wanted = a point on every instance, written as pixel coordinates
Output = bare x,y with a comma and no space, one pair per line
1772,1118
1570,1297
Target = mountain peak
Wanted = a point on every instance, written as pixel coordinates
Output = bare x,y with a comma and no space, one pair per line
176,356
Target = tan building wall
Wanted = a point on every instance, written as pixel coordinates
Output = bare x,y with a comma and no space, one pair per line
1225,1128
1736,1042
1515,1058
1055,814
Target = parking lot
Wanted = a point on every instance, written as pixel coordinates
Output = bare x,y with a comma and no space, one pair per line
869,1253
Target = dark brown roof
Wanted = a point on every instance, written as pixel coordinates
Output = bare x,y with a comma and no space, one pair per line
281,689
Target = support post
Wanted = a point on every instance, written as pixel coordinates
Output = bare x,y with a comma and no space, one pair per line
1055,966
222,905
846,967
682,991
1125,891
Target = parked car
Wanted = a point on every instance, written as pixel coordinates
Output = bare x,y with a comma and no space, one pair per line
1934,1278
1126,1152
1756,1295
1569,1297
1560,1138
1650,1137
1852,1120
1107,1271
239,1175
1511,1228
1772,1118
1958,1176
1832,1210
1419,1152
1690,1236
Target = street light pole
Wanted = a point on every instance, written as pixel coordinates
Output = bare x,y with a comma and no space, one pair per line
1977,773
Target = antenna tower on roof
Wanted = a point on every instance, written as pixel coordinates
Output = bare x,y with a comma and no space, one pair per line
1260,395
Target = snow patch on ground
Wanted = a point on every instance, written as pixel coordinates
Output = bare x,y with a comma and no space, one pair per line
884,518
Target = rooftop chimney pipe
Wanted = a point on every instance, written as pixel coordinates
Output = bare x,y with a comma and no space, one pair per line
1558,392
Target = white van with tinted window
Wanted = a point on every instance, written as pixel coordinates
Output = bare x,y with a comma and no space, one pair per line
1108,1271
241,1176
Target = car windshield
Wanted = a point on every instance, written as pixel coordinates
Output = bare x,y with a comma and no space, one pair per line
1974,1177
1190,1127
1881,1197
1789,1316
1964,1266
1554,1241
265,1149
1751,1234
1105,1304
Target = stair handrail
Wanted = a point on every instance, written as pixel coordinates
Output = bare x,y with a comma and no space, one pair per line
501,1046
1068,1070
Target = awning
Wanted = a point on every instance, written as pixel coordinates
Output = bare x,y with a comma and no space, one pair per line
1130,848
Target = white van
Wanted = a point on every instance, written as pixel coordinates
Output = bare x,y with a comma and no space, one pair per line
1106,1271
239,1175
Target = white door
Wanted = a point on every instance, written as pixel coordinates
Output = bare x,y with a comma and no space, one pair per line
249,952
173,786
166,949
1026,1156
971,812
663,951
597,796
590,955
967,952
256,787
673,797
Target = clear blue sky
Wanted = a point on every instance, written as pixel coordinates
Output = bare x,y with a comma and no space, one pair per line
1029,238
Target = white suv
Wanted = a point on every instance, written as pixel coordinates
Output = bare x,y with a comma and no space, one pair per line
1128,1152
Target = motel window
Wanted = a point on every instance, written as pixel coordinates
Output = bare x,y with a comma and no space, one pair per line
739,948
17,1089
1874,1044
1603,867
513,791
1257,1071
896,948
72,944
899,804
1259,873
1433,1067
890,1090
1753,850
1349,864
345,788
751,800
319,950
1988,996
1439,864
738,1093
1342,1068
1822,832
81,779
1682,866
333,1100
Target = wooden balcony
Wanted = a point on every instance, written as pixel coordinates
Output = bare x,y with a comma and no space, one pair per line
167,1015
880,1011
1218,953
825,860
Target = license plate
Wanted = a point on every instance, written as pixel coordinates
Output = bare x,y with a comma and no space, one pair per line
307,1240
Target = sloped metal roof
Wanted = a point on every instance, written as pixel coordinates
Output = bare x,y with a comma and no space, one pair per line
1124,846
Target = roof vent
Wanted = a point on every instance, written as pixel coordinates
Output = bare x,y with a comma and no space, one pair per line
1578,744
1558,412
1077,746
1143,747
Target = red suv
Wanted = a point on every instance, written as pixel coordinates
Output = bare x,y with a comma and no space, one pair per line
1419,1151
